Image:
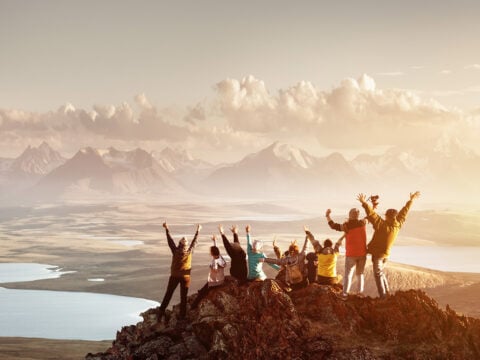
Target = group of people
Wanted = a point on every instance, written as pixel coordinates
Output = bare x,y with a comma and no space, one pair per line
296,268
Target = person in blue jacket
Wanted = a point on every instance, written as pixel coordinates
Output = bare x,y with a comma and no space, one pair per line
255,259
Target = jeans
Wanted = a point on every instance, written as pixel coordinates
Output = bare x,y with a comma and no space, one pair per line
357,264
173,282
380,277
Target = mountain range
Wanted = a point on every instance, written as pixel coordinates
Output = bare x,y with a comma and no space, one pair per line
279,170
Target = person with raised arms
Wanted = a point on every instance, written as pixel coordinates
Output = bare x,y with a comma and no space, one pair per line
179,270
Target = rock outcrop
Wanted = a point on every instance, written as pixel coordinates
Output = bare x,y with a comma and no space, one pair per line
260,321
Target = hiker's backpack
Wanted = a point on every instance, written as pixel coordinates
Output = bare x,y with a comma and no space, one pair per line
294,274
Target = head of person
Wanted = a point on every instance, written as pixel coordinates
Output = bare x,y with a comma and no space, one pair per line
293,248
353,214
257,245
214,251
327,243
391,214
183,242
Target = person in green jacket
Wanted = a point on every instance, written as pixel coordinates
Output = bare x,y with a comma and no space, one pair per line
384,235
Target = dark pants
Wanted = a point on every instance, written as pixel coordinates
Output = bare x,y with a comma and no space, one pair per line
201,294
173,282
380,277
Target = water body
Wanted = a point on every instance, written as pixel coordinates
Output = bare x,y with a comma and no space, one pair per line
19,272
67,314
62,314
444,258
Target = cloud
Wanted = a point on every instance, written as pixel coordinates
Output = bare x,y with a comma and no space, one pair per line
195,113
120,122
244,115
472,67
446,72
353,114
246,104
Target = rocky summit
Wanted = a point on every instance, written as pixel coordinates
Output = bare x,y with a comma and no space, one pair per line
259,320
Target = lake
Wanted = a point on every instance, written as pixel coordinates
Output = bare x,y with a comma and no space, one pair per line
444,258
62,314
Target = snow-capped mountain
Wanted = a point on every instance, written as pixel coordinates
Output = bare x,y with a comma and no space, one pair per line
36,161
112,171
179,160
283,169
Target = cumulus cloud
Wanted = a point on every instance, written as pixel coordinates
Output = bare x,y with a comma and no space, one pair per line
352,114
244,115
246,104
120,122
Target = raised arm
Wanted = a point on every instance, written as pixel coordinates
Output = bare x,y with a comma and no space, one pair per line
214,239
402,214
226,243
249,243
316,244
276,249
234,231
333,225
171,243
304,248
372,216
195,237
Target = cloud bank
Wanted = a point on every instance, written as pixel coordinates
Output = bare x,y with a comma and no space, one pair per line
243,115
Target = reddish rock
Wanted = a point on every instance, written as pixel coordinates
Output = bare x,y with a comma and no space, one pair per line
260,321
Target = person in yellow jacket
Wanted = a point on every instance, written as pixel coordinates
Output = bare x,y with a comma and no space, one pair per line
327,260
384,235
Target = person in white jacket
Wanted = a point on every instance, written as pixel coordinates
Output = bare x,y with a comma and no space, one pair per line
216,276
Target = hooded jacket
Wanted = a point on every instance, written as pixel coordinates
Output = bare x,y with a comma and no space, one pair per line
385,231
355,235
182,256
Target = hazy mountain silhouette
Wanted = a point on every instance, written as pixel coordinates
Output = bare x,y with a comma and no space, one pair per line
279,170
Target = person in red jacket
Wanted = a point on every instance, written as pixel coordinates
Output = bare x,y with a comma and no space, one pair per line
385,233
355,248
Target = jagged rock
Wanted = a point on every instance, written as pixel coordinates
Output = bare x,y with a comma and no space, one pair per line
260,321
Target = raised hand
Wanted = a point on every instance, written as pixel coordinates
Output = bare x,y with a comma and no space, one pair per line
214,238
414,195
247,229
199,227
362,198
305,228
233,229
165,225
274,241
328,212
220,229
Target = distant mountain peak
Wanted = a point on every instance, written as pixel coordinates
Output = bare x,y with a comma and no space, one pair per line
37,160
286,153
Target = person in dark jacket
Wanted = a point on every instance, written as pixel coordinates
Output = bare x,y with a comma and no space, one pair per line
355,248
179,270
384,235
238,267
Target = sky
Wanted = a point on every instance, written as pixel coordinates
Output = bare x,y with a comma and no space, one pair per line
224,78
